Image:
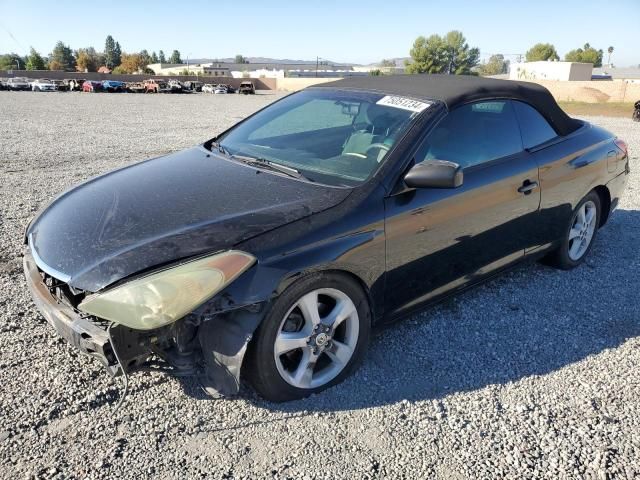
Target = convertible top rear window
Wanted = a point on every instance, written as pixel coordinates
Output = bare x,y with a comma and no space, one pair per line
330,136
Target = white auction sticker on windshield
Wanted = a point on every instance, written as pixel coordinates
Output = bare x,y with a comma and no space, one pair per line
403,103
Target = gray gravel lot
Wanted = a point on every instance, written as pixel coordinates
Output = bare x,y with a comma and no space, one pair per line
533,375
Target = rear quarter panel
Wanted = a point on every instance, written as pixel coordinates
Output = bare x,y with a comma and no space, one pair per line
569,169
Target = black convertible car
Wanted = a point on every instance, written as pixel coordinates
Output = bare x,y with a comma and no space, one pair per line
273,249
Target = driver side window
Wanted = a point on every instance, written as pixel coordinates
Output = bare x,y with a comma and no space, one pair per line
308,117
473,134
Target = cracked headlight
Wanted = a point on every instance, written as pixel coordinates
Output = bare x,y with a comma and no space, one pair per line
165,296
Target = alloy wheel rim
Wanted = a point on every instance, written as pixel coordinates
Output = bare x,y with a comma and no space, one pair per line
316,338
582,229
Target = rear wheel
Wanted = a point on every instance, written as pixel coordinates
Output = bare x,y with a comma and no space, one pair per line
579,234
314,336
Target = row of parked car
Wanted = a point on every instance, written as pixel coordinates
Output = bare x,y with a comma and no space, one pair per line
147,86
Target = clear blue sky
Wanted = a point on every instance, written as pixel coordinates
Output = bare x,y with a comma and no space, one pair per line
348,31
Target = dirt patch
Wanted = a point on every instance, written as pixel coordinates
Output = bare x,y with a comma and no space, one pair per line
611,109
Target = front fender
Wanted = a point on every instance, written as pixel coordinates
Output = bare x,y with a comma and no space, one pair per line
348,238
224,340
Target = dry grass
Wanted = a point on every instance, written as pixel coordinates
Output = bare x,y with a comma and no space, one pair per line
598,109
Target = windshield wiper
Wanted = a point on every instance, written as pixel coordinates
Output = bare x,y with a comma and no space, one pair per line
274,166
220,148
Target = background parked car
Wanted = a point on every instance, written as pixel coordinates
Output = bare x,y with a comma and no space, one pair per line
208,88
73,84
18,83
220,89
43,85
92,86
155,86
229,88
248,88
193,86
175,86
3,84
113,86
135,87
59,84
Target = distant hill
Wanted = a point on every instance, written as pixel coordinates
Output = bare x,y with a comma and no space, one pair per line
283,61
399,61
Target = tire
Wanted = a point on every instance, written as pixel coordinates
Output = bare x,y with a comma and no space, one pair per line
567,256
332,354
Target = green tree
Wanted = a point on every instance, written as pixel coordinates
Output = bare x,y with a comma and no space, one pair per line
109,47
112,52
541,52
87,60
428,55
35,61
175,57
161,57
384,63
375,73
462,58
449,54
11,61
609,51
145,58
240,59
117,54
62,58
154,57
496,65
587,54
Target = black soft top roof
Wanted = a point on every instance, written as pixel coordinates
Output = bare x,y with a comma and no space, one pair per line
455,90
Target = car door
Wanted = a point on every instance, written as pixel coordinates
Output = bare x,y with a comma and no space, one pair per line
442,239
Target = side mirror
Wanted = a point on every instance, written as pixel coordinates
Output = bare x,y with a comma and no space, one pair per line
434,174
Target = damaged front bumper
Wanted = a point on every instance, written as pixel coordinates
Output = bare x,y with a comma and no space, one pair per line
81,332
209,343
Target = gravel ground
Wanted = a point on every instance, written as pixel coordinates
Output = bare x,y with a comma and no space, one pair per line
533,375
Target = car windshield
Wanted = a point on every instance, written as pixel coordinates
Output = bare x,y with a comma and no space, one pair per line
330,136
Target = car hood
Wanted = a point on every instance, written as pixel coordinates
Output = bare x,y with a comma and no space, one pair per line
155,212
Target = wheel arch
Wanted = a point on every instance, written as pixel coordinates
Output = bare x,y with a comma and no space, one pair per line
288,281
605,203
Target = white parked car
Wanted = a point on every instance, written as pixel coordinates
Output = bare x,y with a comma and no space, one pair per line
208,88
220,89
43,85
18,83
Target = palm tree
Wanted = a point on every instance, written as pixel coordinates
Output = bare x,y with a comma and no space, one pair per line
610,51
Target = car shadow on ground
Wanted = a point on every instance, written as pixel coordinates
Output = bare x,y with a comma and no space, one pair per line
531,321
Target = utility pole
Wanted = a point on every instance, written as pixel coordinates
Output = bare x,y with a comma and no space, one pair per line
317,60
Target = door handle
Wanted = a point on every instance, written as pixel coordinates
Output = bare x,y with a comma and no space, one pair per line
527,187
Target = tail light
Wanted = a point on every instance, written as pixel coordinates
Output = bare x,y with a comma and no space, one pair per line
622,145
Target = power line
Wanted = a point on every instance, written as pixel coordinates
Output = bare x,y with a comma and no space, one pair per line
24,50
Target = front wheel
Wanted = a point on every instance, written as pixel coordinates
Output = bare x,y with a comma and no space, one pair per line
579,234
314,336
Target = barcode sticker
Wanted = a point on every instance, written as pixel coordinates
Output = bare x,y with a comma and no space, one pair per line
403,103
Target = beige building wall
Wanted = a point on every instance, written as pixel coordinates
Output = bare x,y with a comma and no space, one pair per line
593,92
566,91
295,84
534,71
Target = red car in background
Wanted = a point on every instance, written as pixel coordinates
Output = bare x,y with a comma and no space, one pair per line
91,86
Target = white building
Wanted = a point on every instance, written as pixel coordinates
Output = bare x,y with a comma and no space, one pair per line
207,69
550,71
